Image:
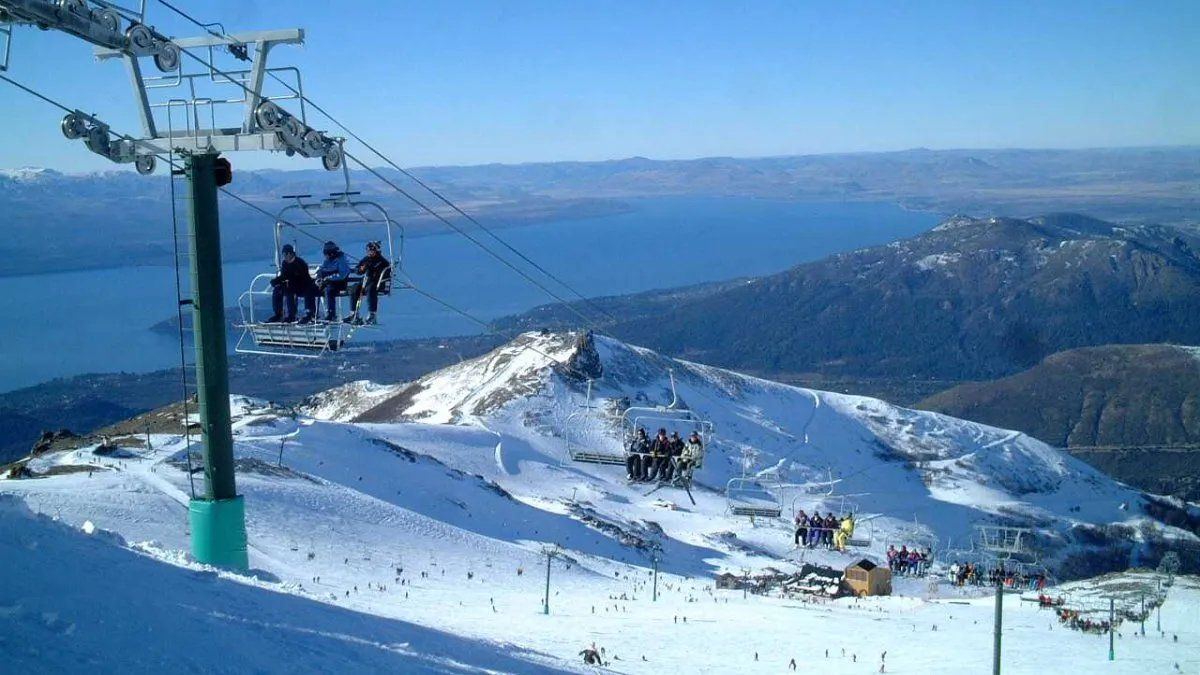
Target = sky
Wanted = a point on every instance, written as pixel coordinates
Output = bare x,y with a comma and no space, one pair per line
481,82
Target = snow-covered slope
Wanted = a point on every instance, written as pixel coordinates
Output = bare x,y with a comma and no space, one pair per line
922,471
434,505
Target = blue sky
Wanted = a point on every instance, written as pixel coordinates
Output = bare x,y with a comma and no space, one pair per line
464,83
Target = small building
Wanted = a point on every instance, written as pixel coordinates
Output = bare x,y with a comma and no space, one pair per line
729,581
865,578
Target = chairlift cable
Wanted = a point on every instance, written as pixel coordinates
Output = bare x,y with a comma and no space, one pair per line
420,204
403,171
471,317
217,71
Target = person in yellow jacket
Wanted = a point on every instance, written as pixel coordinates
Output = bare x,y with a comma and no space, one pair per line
844,532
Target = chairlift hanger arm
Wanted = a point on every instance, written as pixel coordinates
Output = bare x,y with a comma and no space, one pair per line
282,36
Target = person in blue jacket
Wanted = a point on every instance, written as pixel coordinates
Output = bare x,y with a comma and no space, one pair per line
332,278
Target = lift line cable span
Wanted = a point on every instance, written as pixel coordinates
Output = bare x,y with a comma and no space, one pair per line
484,324
412,285
408,174
487,326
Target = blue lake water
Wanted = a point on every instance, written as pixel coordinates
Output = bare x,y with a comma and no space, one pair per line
98,321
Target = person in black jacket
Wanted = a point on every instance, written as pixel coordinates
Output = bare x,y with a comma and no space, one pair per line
293,281
660,455
638,456
375,270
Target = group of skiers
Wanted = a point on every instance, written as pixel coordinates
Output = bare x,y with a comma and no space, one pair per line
1071,618
664,457
908,562
334,277
963,574
828,532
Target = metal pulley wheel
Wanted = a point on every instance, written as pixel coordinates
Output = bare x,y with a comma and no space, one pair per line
145,164
167,58
332,159
108,19
314,143
293,131
141,38
269,116
97,140
73,126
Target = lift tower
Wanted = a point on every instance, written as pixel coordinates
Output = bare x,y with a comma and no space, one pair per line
179,118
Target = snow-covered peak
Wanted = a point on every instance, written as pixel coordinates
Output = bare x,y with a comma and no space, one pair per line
896,461
29,173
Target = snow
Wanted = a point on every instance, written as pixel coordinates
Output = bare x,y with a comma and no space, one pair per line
936,260
28,173
460,481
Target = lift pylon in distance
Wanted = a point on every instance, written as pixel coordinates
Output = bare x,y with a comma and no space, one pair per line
306,224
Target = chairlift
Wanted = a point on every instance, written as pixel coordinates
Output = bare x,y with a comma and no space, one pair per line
585,450
863,537
670,417
347,217
817,491
1004,541
751,497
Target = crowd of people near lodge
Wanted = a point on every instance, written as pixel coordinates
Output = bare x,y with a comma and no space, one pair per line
664,458
335,276
828,532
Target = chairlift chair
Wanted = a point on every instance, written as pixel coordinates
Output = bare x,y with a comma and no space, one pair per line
342,215
586,450
750,497
863,538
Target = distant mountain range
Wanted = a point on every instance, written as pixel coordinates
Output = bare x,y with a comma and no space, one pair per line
971,299
121,218
1155,185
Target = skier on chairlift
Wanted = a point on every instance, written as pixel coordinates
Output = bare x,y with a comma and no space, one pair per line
690,457
373,266
660,454
674,450
293,281
331,278
639,456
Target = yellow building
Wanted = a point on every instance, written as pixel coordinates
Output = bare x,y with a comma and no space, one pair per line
865,578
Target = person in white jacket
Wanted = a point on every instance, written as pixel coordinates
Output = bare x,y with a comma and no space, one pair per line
692,456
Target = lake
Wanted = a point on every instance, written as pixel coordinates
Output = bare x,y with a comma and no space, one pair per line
70,323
